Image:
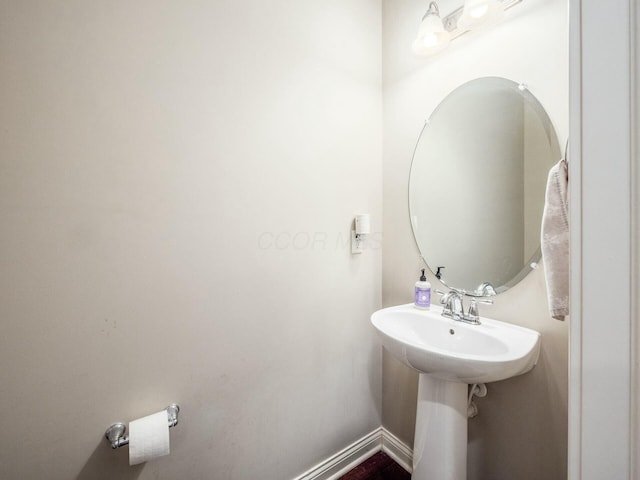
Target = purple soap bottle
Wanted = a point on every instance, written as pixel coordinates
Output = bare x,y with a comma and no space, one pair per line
422,296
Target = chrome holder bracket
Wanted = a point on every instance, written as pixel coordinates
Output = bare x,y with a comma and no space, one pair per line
115,434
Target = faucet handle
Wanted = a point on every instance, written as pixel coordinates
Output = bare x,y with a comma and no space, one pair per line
451,291
445,297
474,316
486,301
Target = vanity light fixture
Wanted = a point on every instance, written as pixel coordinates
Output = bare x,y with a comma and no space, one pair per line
435,33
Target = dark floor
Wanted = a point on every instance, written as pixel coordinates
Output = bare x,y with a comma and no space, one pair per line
379,467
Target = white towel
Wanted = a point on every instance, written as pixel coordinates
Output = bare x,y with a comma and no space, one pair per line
555,240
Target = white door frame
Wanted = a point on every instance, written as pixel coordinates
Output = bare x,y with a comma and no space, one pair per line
603,375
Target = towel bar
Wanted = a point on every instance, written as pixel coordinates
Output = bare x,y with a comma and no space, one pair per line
115,433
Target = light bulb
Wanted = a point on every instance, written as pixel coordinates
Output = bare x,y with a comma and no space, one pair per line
430,40
480,13
432,36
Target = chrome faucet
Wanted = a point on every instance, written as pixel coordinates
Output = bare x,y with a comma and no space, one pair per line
454,307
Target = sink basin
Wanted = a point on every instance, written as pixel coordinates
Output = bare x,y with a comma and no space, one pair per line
453,350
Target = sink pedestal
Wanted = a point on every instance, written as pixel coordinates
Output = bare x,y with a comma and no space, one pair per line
440,443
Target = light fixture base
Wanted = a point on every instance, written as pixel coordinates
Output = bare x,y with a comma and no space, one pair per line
450,22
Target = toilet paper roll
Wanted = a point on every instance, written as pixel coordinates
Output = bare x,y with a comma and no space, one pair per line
148,438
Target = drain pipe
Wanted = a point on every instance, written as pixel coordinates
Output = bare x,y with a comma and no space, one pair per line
477,390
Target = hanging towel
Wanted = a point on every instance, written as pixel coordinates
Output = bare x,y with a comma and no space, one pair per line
555,240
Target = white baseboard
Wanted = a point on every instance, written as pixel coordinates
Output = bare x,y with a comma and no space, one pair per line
397,449
337,465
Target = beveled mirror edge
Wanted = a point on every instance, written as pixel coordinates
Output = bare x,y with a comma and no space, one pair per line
554,143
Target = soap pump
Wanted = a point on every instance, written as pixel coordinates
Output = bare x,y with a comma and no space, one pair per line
422,296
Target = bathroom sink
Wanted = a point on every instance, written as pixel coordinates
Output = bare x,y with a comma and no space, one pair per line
455,351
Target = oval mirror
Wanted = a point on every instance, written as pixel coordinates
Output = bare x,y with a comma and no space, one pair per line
477,185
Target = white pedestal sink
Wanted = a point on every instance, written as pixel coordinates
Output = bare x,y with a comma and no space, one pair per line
450,355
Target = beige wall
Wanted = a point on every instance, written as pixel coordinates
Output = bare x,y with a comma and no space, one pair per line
177,179
521,430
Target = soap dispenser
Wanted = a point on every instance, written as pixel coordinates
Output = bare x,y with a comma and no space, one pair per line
422,295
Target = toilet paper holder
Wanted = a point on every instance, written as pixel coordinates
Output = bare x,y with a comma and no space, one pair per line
116,433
